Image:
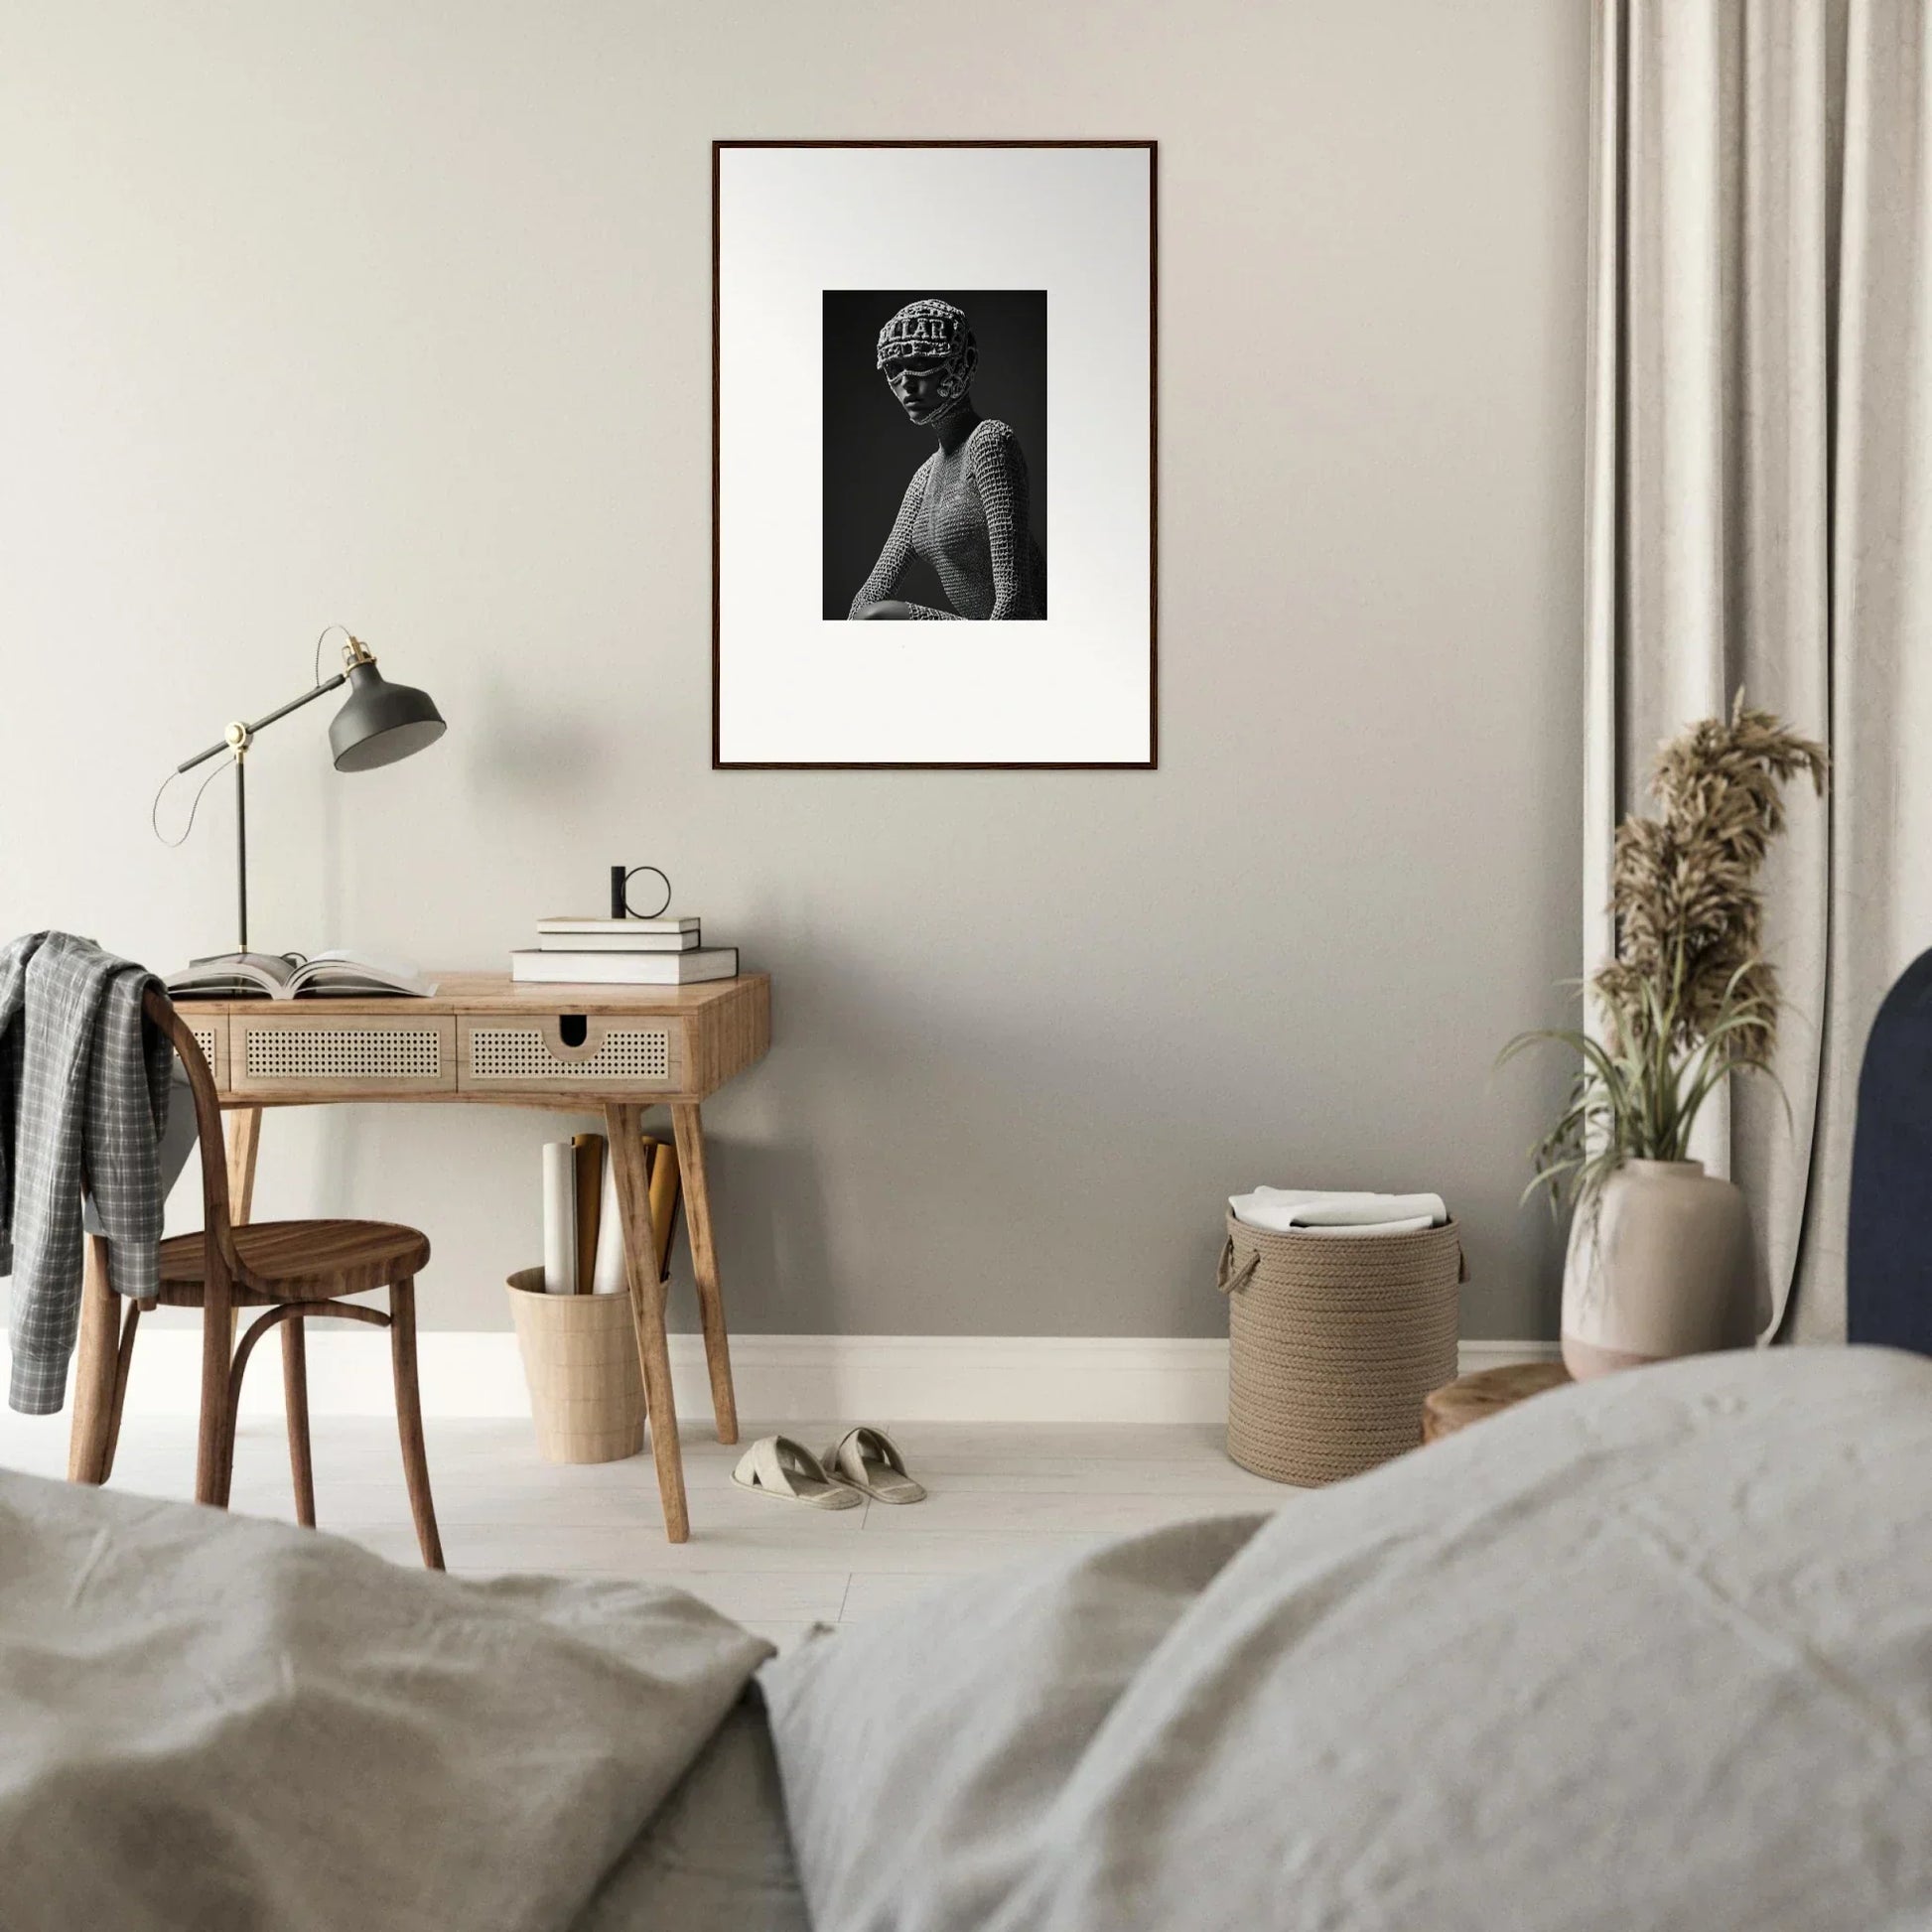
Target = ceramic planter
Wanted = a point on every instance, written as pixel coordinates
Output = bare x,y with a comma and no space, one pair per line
1659,1265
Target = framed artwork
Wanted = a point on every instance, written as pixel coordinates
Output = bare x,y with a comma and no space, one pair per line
933,453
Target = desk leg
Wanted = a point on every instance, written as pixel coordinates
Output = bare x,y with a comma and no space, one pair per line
689,1128
94,1369
625,1126
244,1138
244,1125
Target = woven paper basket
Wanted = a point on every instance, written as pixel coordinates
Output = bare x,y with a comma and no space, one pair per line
1334,1340
579,1358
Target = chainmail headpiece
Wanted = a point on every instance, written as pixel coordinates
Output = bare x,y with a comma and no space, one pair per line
932,331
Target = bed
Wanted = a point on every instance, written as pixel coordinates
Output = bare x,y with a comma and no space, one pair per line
1654,1652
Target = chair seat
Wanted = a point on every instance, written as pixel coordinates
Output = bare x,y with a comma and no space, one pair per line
298,1261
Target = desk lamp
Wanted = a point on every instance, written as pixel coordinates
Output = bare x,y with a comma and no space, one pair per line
378,723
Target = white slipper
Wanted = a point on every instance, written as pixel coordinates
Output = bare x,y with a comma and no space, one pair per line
776,1466
870,1460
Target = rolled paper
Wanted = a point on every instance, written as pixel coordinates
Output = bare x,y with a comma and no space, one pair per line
559,1219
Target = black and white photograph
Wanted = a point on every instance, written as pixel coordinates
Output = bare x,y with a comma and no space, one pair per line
960,379
928,413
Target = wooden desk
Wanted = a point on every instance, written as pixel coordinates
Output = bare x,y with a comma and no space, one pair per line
485,1042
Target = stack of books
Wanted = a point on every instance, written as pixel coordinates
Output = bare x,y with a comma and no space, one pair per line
622,952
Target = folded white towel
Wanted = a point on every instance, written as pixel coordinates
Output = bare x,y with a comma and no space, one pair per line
1313,1211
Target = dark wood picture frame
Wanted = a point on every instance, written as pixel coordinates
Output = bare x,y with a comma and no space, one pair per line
1153,760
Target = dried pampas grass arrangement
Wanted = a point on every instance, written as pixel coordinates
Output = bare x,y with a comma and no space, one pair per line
1690,997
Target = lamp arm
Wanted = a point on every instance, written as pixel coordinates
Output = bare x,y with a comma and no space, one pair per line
249,731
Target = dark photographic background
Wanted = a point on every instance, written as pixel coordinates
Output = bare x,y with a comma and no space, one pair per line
872,451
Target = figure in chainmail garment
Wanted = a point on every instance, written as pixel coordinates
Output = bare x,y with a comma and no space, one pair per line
966,508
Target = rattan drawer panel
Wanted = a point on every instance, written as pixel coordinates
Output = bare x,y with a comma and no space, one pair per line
514,1053
210,1030
315,1051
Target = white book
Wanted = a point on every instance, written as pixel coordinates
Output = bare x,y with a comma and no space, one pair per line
620,941
559,1219
531,967
559,922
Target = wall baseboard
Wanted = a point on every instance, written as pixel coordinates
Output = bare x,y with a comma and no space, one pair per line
779,1378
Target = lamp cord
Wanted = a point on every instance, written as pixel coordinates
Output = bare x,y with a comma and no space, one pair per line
154,810
316,674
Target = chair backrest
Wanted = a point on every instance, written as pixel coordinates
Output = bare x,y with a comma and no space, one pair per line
218,1227
1888,1239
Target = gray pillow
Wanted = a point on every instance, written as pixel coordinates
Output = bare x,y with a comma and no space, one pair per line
716,1856
1652,1651
916,1751
217,1721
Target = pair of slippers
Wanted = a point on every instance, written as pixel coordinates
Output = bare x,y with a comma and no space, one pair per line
863,1461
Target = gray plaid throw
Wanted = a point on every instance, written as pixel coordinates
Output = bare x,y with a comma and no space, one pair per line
84,1089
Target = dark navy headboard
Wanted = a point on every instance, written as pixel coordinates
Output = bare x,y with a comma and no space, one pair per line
1888,1249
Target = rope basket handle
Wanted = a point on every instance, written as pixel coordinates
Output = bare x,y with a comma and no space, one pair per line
1229,1279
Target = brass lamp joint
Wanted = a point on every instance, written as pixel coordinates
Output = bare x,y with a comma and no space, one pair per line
355,651
238,738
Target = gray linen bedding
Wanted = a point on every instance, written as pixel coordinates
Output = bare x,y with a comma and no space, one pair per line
1656,1652
219,1723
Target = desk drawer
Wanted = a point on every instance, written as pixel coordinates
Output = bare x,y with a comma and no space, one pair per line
315,1051
510,1053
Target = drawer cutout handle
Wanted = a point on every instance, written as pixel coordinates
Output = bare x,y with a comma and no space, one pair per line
572,1028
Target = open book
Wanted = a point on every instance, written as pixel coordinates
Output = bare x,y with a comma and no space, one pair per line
289,976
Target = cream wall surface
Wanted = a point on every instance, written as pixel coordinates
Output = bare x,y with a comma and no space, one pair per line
401,316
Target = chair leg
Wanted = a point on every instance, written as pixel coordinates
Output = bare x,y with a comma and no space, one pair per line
294,1399
409,1417
123,1363
94,1370
214,1445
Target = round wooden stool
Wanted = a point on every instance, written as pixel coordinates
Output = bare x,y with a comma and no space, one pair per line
1486,1393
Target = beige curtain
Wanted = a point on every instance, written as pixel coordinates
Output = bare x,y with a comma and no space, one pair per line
1759,509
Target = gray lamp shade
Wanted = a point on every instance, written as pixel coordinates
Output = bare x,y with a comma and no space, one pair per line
381,722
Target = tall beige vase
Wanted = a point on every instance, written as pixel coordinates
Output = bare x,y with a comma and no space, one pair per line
1659,1265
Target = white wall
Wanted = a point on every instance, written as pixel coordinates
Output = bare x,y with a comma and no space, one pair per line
400,315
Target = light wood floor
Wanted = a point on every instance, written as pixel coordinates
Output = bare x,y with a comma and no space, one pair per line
998,1491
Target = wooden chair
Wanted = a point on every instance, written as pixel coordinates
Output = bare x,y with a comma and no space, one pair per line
292,1270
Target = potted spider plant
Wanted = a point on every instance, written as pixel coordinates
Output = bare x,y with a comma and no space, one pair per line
1659,1261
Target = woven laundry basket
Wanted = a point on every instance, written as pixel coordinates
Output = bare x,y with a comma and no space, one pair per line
579,1359
1334,1340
